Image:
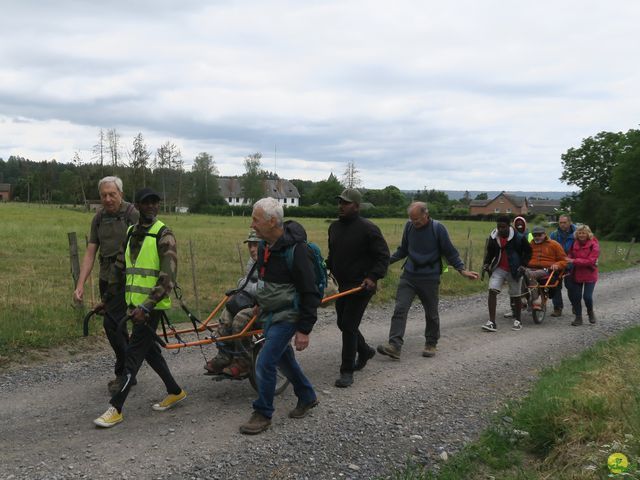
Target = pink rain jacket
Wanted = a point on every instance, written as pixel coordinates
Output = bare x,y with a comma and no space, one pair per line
585,258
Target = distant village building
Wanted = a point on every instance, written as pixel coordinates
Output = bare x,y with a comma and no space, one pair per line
5,192
504,203
284,191
549,208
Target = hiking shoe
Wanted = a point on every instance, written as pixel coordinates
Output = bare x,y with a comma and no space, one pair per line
363,359
237,370
258,423
302,410
345,380
389,350
508,315
592,317
489,326
169,401
429,351
577,321
216,365
557,312
109,418
517,325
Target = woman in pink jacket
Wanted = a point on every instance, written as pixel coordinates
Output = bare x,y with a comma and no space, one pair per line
584,256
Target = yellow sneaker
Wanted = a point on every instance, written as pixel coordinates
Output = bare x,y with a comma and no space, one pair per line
109,418
169,401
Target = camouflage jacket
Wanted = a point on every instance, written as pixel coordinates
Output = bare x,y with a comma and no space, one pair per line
168,264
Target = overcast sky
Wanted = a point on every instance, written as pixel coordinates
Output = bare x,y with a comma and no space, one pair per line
478,95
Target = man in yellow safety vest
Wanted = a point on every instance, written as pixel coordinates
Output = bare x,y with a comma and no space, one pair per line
147,265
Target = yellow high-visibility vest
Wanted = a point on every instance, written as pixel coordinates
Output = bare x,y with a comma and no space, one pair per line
142,275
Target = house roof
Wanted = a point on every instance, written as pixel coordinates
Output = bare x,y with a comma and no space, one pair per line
544,206
280,188
515,199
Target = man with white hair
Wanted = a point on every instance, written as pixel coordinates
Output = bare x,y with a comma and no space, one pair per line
288,300
108,232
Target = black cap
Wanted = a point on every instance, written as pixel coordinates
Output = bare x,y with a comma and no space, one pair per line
145,193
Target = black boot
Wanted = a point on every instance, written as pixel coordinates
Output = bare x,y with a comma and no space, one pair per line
592,316
577,321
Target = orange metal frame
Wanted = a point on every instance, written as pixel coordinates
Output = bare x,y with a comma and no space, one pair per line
247,331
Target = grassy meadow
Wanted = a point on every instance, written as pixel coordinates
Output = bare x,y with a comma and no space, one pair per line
36,284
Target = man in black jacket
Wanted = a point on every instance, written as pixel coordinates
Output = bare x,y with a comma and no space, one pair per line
358,256
507,253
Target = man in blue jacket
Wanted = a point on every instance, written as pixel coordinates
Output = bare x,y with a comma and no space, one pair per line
507,251
564,236
424,242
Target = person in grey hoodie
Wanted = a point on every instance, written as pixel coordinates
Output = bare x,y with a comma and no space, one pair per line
424,242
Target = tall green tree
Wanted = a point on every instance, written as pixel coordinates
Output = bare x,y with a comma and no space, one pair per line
139,162
326,191
252,179
625,188
205,181
389,196
164,159
593,162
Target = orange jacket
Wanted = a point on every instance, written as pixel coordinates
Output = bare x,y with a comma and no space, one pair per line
547,253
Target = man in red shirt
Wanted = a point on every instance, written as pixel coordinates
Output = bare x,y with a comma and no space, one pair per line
508,251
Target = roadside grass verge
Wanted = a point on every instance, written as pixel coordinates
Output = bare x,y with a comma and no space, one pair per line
577,415
36,286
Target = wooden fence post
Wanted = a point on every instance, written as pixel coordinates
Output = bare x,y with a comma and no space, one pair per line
626,258
73,257
240,258
193,276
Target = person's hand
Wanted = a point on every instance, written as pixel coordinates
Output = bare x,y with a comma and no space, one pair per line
469,274
99,308
301,341
138,316
570,261
369,284
554,267
78,293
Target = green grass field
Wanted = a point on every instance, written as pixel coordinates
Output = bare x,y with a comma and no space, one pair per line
36,284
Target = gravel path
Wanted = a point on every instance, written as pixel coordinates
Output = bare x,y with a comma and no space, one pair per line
413,408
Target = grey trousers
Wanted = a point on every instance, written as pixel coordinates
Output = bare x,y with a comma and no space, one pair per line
427,291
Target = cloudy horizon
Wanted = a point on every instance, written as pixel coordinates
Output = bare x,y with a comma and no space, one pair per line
464,96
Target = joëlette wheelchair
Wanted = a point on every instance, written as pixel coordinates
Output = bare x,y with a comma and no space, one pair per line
545,288
171,338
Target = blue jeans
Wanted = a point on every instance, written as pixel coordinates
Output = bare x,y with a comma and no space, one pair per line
277,352
579,291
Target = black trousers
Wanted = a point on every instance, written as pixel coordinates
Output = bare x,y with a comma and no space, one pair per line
114,311
143,346
349,311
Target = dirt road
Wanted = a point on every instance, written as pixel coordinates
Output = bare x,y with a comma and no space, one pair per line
415,407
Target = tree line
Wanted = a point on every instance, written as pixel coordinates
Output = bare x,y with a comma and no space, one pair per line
606,168
198,189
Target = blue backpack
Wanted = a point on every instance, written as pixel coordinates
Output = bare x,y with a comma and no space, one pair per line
319,264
